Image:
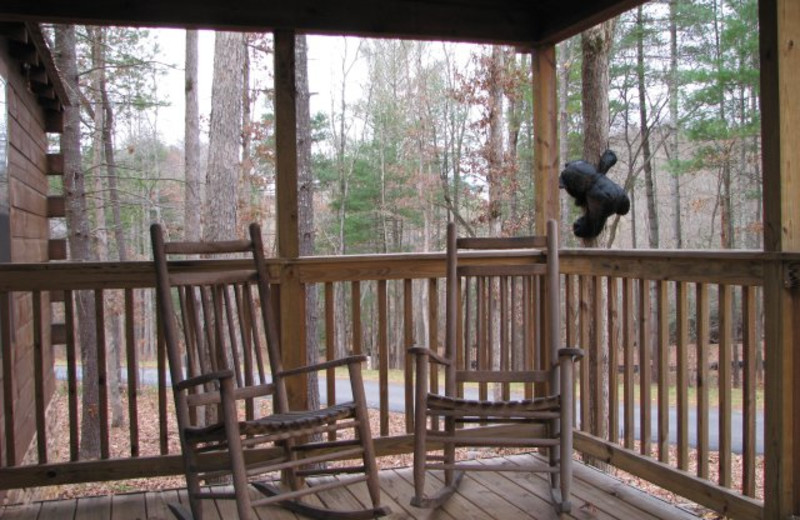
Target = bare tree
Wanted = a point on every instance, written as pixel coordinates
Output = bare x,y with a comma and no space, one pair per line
305,203
596,48
192,222
79,238
224,140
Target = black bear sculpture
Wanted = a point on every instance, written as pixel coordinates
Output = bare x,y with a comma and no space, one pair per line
599,196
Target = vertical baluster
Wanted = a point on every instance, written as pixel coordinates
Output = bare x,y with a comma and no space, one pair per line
583,289
433,339
433,331
38,377
725,348
461,354
629,340
245,332
482,332
539,339
527,331
232,324
102,371
72,376
597,348
644,366
613,359
355,288
663,370
749,390
682,310
572,325
133,374
161,364
467,330
330,347
255,332
504,331
408,342
383,353
702,380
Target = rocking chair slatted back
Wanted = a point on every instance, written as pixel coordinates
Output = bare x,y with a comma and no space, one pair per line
503,330
220,332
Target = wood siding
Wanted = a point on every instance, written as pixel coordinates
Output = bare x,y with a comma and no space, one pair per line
27,317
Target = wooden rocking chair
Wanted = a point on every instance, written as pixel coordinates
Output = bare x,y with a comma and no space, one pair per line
492,337
215,342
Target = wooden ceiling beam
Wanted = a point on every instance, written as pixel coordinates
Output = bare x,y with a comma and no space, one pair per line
500,21
37,75
14,31
570,17
24,53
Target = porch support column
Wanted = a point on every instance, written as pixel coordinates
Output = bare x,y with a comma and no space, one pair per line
291,291
780,106
545,134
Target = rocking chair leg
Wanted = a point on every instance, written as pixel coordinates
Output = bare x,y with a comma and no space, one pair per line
449,452
420,455
363,432
193,488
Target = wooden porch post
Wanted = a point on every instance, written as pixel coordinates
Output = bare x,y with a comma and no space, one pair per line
545,133
780,128
291,291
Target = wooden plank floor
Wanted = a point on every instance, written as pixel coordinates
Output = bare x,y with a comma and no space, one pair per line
482,495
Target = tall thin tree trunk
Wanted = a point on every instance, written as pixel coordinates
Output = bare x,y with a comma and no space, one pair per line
652,211
565,66
192,216
495,160
104,126
649,179
225,133
305,202
596,48
79,238
673,115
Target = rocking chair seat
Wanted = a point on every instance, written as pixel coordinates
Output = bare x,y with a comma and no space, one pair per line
492,408
276,424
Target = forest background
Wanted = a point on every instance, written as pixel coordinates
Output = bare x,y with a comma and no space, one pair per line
414,134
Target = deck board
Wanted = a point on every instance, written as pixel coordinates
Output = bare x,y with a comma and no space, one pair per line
482,496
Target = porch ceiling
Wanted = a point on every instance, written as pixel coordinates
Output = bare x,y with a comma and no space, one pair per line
514,22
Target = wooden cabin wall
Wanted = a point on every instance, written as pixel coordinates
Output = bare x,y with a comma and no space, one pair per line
28,232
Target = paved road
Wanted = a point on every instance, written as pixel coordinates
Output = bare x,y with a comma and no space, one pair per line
148,376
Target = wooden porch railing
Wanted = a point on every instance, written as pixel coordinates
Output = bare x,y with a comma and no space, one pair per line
661,329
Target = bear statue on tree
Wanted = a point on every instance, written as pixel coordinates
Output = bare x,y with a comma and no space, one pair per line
599,196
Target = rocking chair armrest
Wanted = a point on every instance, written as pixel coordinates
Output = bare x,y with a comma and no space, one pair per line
349,360
433,356
203,379
574,353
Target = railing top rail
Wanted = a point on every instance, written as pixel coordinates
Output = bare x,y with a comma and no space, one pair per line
726,267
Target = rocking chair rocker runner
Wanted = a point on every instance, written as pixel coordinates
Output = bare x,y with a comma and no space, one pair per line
491,337
222,318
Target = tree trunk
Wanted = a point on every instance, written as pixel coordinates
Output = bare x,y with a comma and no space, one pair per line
305,203
652,212
104,151
192,216
495,160
596,48
565,56
673,116
79,240
225,132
